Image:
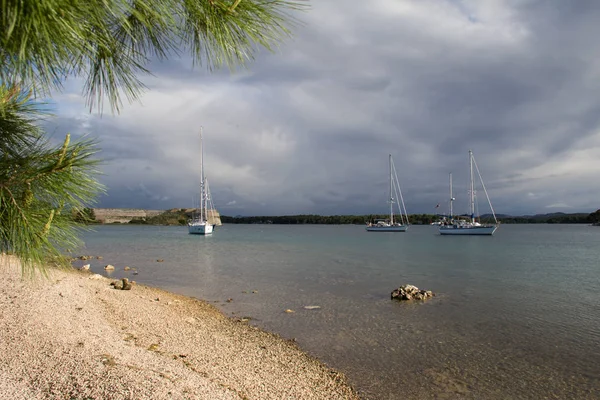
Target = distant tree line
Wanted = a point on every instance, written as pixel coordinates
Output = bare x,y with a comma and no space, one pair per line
554,218
181,216
415,219
594,217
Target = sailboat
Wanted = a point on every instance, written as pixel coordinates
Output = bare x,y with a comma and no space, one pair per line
469,226
391,225
199,224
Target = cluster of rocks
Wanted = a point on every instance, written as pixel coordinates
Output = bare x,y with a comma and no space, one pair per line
84,258
109,267
410,292
123,284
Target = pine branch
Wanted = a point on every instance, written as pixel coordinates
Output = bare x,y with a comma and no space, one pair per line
38,183
110,42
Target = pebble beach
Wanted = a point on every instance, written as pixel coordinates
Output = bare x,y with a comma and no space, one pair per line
71,335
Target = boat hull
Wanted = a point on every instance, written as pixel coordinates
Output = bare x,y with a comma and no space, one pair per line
200,229
399,228
468,230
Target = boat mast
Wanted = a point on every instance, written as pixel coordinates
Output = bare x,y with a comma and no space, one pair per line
201,178
391,195
472,189
451,198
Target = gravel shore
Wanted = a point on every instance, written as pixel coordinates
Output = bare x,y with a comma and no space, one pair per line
73,336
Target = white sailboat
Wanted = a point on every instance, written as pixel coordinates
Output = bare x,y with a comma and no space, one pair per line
469,226
198,224
392,225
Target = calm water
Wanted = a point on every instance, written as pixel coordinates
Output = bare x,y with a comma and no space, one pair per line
517,315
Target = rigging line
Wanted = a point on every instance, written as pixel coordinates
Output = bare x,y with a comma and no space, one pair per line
399,207
484,190
401,197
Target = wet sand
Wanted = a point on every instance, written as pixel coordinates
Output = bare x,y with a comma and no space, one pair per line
73,336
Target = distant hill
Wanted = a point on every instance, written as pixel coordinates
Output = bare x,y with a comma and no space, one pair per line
486,216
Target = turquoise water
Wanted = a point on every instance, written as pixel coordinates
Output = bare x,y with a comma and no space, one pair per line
516,315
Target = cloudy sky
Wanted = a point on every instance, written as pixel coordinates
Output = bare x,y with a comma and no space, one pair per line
309,128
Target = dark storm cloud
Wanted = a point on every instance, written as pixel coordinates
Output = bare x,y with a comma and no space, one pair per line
308,129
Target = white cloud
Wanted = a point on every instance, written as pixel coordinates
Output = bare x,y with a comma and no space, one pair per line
559,205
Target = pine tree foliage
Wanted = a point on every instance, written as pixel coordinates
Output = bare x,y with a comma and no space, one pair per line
42,187
110,42
45,189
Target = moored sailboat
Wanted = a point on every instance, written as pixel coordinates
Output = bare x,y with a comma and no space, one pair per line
469,225
392,225
199,223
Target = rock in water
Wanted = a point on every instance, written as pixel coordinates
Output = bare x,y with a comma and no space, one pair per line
410,292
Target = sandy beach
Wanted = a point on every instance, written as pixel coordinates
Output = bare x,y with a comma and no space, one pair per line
73,336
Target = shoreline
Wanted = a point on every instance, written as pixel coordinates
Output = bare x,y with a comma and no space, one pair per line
72,335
